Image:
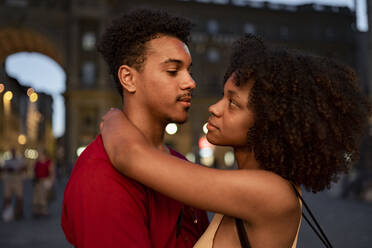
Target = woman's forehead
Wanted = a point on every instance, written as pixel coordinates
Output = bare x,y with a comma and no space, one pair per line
242,91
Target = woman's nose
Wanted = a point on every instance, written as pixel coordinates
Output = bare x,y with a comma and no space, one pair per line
215,109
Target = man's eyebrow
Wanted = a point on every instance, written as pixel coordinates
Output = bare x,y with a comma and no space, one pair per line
176,61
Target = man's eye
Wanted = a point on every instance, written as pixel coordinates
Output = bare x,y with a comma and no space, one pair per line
172,73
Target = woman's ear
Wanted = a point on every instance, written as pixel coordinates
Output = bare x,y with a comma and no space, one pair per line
126,77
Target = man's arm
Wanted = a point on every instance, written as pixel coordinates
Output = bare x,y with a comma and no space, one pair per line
102,210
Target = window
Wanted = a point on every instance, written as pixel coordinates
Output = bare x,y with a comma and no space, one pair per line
329,32
249,28
88,73
284,32
212,26
213,55
88,41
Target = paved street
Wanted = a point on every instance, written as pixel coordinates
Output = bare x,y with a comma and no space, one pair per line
38,233
348,223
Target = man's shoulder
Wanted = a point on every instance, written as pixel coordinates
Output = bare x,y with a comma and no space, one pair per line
94,159
95,150
94,169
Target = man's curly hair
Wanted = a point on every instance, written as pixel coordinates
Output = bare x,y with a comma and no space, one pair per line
310,113
124,40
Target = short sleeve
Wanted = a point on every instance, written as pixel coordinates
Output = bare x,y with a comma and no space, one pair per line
104,209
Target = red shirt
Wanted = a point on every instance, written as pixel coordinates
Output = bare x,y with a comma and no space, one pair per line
103,208
42,169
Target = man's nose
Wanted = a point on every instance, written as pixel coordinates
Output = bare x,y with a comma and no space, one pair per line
188,83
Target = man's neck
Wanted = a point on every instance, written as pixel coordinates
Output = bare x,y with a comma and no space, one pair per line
150,127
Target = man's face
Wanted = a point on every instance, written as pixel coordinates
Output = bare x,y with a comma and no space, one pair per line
165,84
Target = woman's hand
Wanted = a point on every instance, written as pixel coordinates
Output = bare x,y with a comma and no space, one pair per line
119,136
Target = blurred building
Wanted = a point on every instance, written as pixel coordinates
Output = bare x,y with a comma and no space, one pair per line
13,106
369,47
365,164
25,119
67,31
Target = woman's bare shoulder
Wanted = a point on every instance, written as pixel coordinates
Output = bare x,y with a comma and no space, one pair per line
274,196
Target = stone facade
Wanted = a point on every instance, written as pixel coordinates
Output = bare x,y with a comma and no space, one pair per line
67,30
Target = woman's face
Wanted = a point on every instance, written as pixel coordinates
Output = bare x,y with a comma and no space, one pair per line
231,117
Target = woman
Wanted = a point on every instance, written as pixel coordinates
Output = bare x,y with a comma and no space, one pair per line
293,120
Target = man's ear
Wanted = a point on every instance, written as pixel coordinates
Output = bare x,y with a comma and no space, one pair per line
126,76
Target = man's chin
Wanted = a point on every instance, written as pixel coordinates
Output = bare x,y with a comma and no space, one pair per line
179,121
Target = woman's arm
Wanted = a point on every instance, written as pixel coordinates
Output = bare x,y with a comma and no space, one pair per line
247,194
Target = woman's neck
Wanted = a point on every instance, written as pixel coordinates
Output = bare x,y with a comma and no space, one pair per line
245,158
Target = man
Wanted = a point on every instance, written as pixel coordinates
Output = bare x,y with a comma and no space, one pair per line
148,57
13,182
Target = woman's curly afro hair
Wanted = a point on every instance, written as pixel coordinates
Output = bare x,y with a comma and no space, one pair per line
123,42
310,114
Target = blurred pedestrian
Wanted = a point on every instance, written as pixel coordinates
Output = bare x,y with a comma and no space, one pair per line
60,166
43,182
13,175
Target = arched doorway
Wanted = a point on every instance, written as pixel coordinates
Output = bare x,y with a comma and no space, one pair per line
30,60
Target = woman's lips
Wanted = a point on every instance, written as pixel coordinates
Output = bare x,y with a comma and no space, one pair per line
211,126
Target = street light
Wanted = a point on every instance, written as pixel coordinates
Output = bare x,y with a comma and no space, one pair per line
8,96
33,97
2,88
171,128
22,139
30,91
205,129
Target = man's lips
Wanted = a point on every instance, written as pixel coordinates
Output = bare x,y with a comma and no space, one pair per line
185,100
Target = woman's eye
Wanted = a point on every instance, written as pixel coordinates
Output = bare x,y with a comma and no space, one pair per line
232,103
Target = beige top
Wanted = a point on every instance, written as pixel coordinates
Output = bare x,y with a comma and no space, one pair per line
206,240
